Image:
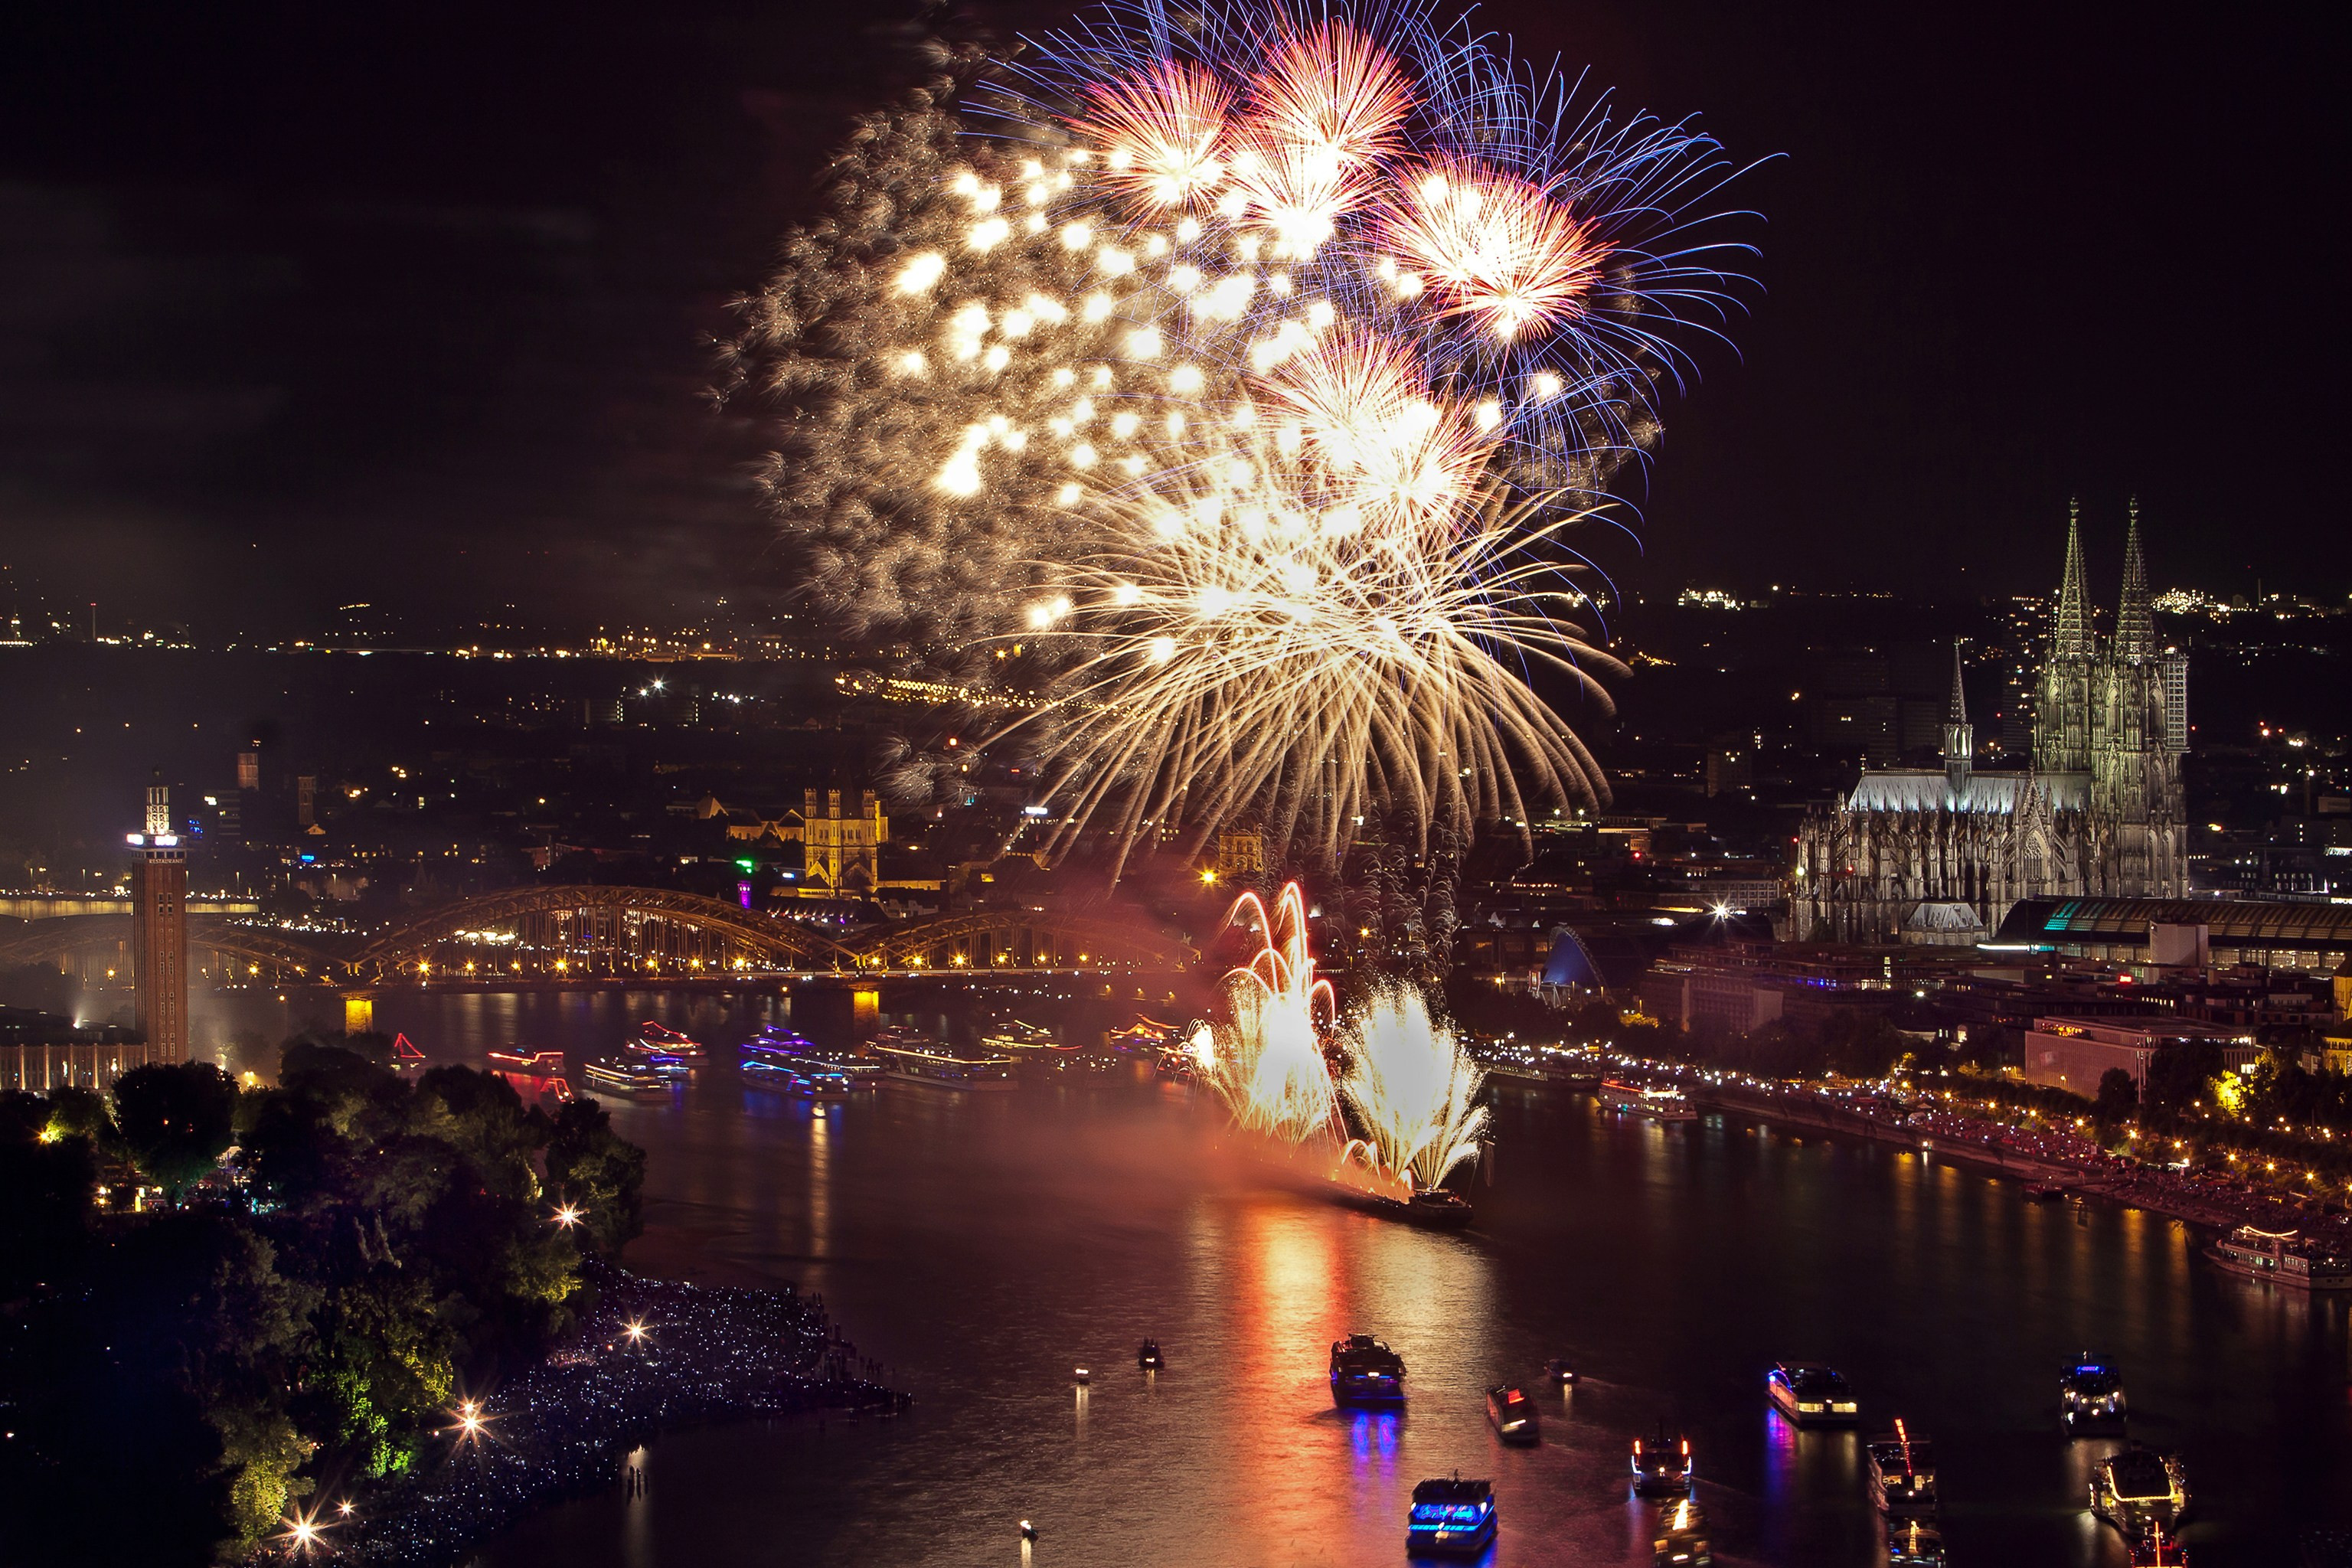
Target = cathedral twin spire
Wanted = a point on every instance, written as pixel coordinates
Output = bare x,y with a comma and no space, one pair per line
2070,635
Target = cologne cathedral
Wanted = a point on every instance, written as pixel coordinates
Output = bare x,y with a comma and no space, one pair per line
1938,855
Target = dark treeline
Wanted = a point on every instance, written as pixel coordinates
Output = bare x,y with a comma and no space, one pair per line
286,1324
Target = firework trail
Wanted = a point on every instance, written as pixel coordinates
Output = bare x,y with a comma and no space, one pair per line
1224,386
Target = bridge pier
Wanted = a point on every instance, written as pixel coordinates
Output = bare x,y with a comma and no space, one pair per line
359,1012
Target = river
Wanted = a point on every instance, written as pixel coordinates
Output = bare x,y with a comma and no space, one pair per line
982,1245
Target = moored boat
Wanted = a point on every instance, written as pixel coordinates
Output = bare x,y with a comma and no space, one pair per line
1365,1372
1452,1518
2287,1257
1656,1103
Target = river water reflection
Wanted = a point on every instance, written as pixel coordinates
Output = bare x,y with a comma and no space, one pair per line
982,1245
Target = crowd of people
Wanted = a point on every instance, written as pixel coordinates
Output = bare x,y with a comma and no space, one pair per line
2077,1161
650,1355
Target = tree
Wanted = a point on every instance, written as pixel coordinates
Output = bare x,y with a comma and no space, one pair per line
602,1173
177,1120
2118,1098
2179,1075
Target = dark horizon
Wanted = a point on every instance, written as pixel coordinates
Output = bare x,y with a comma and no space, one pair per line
416,307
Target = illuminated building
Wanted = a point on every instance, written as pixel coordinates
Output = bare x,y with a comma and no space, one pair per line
159,930
2074,1054
840,856
1939,856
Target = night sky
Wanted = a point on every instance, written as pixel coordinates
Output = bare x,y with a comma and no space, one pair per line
301,305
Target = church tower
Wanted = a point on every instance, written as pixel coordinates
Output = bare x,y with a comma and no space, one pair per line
2062,706
1959,738
2137,796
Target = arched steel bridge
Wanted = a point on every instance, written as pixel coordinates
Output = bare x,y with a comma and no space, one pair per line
582,932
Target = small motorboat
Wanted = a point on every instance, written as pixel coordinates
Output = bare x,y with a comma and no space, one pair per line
1914,1543
1453,1518
1685,1544
1662,1466
1148,1359
1513,1415
1558,1370
1364,1371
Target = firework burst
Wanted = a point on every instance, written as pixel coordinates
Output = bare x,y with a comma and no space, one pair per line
1227,385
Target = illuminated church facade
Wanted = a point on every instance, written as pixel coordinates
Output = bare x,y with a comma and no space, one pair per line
1938,855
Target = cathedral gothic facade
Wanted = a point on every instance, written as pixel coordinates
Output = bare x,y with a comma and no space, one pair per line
1938,855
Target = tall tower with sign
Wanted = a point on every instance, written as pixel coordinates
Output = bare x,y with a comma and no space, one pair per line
159,930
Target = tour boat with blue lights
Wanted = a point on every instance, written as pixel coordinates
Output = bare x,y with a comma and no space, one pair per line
1451,1518
534,1075
2091,1396
1662,1466
654,1039
808,1077
1810,1395
2142,1492
2287,1257
1656,1103
1685,1544
1902,1474
933,1066
1513,1415
1914,1543
629,1078
1365,1373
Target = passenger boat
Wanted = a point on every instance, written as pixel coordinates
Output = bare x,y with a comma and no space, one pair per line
1810,1395
1364,1371
2141,1492
1662,1466
2091,1396
1143,1037
1560,1370
1902,1474
1451,1518
534,1075
2285,1256
1148,1359
810,1078
1685,1541
656,1040
1015,1039
406,1060
1914,1543
1513,1415
1657,1104
933,1066
629,1078
774,1057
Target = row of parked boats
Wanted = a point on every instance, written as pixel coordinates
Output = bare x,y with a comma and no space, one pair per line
655,1059
2141,1492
